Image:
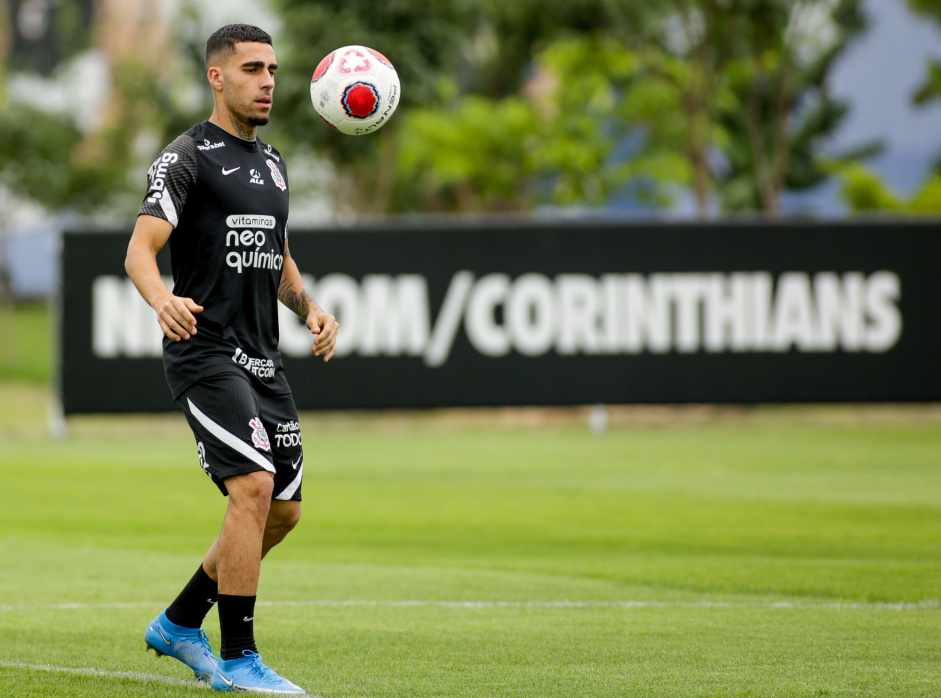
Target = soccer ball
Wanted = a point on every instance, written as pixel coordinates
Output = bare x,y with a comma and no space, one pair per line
355,90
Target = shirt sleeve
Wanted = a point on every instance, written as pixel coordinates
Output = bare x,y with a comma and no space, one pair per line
169,181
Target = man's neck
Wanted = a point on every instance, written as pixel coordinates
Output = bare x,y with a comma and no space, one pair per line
229,123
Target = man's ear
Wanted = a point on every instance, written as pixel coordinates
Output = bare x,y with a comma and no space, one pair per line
214,75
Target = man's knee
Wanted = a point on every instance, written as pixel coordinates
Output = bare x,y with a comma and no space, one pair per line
251,489
282,518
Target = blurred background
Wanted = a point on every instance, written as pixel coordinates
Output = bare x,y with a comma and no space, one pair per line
679,110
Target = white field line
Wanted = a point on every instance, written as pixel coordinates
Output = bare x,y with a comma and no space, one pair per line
931,604
88,671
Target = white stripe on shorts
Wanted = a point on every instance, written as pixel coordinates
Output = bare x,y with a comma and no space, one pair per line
289,491
230,439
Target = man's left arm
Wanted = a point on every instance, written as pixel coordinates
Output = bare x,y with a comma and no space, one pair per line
294,294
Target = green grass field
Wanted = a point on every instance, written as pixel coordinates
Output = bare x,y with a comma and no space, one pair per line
684,552
25,343
768,552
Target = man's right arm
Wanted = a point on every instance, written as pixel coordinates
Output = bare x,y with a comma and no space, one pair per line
175,314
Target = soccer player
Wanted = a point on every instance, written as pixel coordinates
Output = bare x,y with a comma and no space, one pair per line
219,195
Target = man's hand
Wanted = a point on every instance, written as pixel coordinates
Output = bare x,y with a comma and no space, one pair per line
175,315
325,328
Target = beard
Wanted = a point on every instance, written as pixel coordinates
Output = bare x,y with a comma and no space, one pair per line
258,120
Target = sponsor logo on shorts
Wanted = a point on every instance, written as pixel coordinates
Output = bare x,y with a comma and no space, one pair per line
259,435
288,440
288,434
263,368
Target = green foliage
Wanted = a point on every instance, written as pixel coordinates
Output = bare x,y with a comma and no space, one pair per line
36,155
729,99
422,39
553,145
462,65
47,159
772,58
928,198
475,156
930,89
864,191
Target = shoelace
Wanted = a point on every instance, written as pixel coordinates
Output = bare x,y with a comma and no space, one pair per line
204,642
262,671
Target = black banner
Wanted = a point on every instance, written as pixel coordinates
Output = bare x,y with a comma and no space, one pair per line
531,312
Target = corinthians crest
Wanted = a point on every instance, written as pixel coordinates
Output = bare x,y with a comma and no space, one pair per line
277,176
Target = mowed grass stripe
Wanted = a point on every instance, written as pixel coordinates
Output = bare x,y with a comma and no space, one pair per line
103,673
637,507
473,605
387,651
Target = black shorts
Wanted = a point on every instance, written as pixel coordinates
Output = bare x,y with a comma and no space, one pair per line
242,430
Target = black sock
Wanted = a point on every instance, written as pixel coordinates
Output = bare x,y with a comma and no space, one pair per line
236,620
198,596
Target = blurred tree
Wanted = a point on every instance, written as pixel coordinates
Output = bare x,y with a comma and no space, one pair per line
726,97
570,136
508,105
750,80
463,65
420,37
48,157
864,190
34,141
930,88
6,42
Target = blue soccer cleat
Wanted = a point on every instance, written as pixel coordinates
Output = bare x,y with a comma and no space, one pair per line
248,673
189,645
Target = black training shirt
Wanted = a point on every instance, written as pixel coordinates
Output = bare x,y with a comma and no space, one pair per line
227,200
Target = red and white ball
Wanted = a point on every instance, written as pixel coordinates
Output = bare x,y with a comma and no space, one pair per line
355,90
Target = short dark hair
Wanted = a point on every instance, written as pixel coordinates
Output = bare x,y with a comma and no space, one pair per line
224,39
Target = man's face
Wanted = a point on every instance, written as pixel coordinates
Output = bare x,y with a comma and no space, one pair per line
248,82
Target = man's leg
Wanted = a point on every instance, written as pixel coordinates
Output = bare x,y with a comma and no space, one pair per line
243,531
253,525
282,518
238,563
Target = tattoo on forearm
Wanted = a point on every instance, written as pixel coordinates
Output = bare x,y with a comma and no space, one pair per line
298,303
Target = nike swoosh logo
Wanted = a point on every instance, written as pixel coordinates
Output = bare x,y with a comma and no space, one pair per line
227,682
228,172
247,619
160,632
297,462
